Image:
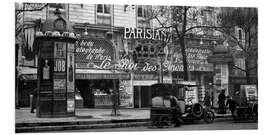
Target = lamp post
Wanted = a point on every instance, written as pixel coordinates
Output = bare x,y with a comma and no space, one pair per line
161,55
115,96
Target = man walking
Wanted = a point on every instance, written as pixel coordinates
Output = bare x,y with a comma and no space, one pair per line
177,115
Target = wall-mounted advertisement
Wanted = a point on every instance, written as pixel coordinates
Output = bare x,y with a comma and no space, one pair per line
126,94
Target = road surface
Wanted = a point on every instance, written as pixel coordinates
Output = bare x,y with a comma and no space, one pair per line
223,125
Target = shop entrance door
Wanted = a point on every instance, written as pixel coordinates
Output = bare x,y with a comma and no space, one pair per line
145,96
137,94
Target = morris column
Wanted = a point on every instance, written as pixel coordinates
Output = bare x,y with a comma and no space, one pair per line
56,94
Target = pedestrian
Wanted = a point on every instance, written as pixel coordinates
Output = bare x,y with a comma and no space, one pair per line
177,115
207,100
232,105
221,102
34,100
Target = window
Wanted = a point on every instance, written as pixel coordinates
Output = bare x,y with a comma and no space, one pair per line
145,51
100,8
103,14
53,6
105,9
142,11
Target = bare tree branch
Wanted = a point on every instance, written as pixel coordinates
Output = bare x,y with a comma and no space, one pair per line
236,67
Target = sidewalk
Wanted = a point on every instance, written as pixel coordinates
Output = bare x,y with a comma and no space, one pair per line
86,118
23,115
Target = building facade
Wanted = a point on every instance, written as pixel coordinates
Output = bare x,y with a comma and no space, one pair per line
121,35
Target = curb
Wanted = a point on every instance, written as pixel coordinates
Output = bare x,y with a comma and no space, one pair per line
58,126
34,124
79,127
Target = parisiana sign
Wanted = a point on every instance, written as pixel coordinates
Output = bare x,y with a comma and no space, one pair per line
147,33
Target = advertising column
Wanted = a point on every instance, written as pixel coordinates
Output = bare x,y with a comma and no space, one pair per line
56,95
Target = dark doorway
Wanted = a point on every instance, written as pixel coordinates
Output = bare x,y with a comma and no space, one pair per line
137,96
142,96
145,96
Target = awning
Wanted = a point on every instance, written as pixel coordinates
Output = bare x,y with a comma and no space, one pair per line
144,82
28,77
101,74
28,73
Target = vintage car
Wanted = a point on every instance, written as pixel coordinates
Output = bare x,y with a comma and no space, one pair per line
162,112
247,103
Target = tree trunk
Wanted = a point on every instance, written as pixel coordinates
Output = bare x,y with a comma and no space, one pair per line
247,71
183,47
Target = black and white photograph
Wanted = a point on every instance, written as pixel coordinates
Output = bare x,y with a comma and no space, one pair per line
89,67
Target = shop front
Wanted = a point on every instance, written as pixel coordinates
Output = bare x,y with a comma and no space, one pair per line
97,76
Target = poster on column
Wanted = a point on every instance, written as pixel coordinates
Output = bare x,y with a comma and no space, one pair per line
60,50
70,105
126,94
59,82
70,72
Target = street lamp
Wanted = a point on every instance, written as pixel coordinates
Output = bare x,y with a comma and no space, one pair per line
115,96
161,56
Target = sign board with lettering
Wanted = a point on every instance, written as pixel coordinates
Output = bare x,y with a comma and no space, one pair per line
196,58
94,54
250,92
147,33
125,94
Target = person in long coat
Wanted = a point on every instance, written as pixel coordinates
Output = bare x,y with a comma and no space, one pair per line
221,102
232,105
207,100
177,115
